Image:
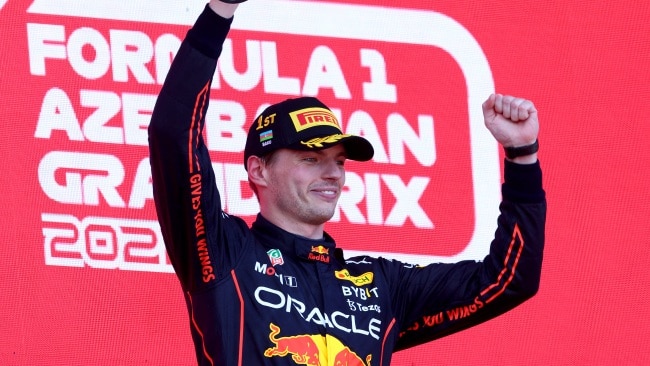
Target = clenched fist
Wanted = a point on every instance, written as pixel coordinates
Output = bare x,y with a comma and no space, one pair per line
512,121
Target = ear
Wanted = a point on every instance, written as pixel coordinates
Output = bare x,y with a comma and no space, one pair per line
256,171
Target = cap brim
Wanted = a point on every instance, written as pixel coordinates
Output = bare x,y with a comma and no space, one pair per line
358,148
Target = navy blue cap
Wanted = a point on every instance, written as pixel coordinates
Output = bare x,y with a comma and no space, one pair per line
303,123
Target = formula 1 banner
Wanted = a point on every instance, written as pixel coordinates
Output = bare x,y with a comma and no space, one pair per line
99,86
84,264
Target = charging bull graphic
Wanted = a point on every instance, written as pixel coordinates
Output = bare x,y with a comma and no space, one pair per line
313,350
304,349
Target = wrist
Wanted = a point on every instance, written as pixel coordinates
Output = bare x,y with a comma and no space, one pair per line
223,8
525,154
527,159
522,182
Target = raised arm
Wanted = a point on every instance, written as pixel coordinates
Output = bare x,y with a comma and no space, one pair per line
187,201
441,299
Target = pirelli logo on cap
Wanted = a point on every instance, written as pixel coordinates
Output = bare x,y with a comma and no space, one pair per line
310,117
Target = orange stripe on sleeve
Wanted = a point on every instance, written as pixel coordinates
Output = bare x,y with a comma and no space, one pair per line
195,127
196,326
241,317
516,238
383,342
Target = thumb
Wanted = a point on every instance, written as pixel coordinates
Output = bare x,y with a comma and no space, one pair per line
488,107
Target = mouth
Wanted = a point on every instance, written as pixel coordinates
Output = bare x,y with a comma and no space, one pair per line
327,193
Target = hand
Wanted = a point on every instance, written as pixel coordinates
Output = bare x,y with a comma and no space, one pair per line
512,121
223,8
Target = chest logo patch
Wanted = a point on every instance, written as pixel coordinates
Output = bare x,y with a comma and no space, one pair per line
361,280
275,256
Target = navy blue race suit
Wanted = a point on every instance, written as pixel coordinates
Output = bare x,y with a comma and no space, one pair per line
261,295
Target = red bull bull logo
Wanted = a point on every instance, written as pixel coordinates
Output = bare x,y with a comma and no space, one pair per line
319,253
304,349
346,357
320,250
313,350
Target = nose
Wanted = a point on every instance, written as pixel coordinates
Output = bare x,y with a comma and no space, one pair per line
333,170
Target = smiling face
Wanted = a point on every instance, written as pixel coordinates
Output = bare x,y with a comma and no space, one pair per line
302,188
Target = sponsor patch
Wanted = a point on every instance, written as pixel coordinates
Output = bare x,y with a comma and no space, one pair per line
320,249
311,117
275,256
312,349
361,280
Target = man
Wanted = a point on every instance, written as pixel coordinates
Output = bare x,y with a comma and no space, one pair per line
281,291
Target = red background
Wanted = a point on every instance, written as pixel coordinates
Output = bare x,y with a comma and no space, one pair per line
583,63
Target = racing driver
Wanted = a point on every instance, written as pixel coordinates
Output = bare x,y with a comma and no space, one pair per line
281,292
